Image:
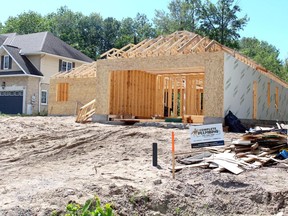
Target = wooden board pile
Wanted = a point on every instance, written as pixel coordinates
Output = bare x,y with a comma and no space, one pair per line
252,150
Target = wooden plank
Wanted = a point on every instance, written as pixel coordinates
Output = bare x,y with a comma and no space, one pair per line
203,164
181,96
234,168
175,97
111,87
188,96
141,94
129,110
118,92
133,92
159,95
121,95
195,104
169,96
125,105
150,76
146,94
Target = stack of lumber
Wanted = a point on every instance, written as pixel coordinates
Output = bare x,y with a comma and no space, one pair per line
252,150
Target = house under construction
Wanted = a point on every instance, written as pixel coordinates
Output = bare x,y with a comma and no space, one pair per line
176,75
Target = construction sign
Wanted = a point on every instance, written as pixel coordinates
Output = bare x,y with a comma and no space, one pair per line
206,135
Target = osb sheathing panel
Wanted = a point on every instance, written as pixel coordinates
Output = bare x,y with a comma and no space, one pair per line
80,92
212,62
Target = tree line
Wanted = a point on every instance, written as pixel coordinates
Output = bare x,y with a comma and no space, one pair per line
93,35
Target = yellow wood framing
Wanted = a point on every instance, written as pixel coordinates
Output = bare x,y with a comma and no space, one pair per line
183,42
83,71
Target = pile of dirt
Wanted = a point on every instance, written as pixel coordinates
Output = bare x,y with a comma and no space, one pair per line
45,162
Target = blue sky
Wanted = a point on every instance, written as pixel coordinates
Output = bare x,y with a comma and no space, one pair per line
268,19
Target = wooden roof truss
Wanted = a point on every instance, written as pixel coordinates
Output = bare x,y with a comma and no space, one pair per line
84,71
182,42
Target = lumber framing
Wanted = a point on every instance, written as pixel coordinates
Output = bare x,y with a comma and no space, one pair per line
145,95
84,71
183,42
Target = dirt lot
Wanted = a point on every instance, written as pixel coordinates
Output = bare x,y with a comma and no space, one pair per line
45,162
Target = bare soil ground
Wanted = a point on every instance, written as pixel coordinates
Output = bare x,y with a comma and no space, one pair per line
45,162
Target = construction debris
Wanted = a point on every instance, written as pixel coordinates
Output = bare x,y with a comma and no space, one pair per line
86,112
254,149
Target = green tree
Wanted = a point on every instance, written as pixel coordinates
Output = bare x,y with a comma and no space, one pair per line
126,32
143,28
65,25
110,33
183,15
135,30
91,35
25,23
1,27
285,70
263,53
220,21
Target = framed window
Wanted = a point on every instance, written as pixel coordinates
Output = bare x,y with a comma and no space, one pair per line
6,62
44,97
65,65
69,66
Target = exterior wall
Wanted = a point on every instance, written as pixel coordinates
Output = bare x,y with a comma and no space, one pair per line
238,94
80,92
35,60
214,76
14,66
29,85
50,66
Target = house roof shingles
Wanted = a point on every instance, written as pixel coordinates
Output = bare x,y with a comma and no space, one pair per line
43,42
22,60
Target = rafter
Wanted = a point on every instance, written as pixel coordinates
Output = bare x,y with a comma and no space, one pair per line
181,42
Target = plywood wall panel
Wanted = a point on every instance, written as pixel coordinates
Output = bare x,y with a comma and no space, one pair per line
79,92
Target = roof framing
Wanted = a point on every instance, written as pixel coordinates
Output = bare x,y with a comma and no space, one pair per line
83,71
182,42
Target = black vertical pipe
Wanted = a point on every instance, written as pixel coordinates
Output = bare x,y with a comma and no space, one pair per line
155,154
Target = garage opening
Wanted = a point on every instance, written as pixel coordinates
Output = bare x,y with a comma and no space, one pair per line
147,94
11,102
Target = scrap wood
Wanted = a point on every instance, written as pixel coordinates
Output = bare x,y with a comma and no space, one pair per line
195,158
203,164
231,158
232,167
252,151
284,162
261,159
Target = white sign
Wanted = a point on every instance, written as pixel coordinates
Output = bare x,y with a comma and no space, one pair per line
206,135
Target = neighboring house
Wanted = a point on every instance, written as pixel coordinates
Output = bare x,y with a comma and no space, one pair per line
208,78
27,63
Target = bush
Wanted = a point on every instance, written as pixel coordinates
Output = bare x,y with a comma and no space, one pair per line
92,207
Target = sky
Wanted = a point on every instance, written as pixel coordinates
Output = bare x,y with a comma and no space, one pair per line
268,18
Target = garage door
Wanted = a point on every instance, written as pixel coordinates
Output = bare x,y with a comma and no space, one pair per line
11,102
